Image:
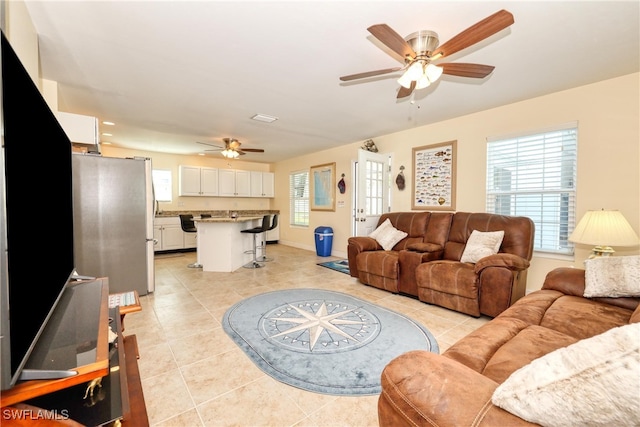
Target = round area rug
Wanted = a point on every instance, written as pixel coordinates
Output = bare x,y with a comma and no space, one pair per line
323,341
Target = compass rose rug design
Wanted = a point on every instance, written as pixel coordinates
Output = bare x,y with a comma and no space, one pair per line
323,341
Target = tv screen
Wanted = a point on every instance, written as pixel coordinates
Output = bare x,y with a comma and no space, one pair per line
37,214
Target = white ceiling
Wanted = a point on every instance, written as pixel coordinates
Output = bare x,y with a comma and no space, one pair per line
170,73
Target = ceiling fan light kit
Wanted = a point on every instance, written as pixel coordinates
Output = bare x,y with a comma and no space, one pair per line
421,72
230,154
421,48
231,149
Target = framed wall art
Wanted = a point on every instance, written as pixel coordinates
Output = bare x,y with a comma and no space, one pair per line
434,177
323,187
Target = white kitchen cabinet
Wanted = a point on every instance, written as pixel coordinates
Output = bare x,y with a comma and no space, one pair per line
168,234
234,183
268,184
80,129
273,235
197,181
262,184
190,240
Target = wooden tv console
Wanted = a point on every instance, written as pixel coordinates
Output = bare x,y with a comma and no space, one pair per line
106,387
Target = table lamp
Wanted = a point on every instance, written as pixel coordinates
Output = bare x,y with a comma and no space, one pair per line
604,228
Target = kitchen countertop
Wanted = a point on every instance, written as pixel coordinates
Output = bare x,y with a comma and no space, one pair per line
218,214
227,219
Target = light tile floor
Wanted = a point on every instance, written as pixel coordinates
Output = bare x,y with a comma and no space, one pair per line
193,374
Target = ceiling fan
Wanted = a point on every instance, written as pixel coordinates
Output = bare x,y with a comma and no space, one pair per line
231,148
421,49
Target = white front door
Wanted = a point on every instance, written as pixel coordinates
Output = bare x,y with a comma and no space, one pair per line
371,192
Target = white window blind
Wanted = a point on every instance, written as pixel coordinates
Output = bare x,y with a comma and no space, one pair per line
299,198
535,176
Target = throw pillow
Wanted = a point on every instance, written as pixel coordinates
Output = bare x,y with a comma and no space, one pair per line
593,382
612,277
387,235
481,244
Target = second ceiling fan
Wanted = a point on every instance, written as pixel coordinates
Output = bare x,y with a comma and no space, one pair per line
421,49
231,148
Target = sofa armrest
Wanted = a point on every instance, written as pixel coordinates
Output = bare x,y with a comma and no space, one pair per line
569,281
424,388
424,247
356,245
509,261
364,243
409,260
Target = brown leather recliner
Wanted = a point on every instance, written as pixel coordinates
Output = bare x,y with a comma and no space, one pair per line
426,264
490,285
374,266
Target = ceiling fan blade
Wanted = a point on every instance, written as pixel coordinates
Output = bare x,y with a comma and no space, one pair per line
476,33
392,40
210,145
252,150
467,70
369,74
404,92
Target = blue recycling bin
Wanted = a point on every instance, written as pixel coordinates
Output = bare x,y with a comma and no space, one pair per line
324,240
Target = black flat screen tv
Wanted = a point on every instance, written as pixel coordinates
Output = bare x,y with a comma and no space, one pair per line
36,236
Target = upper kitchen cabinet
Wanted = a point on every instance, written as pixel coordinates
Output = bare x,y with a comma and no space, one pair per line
81,130
234,183
197,181
262,184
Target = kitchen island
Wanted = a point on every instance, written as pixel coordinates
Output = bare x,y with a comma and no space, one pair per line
221,245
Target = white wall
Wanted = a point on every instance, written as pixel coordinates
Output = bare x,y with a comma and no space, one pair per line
20,32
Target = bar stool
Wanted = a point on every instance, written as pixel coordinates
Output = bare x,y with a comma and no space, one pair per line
255,231
263,247
188,226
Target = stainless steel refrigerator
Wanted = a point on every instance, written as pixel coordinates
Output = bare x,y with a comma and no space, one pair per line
113,221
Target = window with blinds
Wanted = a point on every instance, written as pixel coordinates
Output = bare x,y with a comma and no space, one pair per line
535,176
299,198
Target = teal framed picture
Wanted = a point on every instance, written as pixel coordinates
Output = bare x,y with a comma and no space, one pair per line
323,188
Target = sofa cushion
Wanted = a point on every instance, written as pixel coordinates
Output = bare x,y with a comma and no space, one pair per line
379,269
592,382
612,277
518,233
583,318
482,244
387,235
450,277
449,284
529,344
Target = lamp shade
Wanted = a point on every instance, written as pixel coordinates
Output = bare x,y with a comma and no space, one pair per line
604,228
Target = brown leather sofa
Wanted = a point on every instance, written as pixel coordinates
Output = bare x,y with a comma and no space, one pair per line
420,388
426,264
